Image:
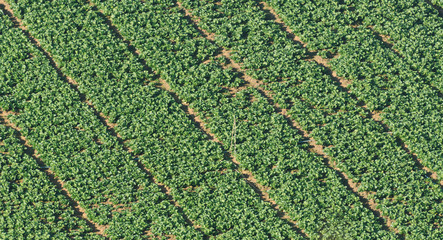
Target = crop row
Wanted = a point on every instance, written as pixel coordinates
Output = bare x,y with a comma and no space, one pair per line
265,143
71,140
304,185
151,123
412,26
359,145
179,58
30,206
437,3
381,78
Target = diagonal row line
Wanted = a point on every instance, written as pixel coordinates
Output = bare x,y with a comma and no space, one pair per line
79,211
388,44
102,118
344,83
376,117
247,176
199,123
317,149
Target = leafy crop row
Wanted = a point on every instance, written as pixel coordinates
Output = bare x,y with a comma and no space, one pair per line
70,139
30,206
360,146
414,28
380,78
310,192
438,3
150,122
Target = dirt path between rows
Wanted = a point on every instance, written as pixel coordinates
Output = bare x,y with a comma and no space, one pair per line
318,149
344,84
99,229
79,211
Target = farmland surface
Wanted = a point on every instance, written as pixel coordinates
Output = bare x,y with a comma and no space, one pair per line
221,119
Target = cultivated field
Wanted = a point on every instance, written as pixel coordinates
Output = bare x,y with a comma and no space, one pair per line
221,119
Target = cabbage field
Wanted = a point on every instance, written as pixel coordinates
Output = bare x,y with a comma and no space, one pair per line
221,119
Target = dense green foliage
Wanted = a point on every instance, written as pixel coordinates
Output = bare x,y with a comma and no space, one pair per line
152,124
70,139
108,181
362,149
380,77
30,205
266,145
437,3
413,27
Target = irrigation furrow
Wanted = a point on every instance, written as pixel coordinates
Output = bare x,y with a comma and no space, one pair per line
376,117
247,175
79,211
252,36
279,162
385,40
344,83
318,149
102,118
183,186
382,38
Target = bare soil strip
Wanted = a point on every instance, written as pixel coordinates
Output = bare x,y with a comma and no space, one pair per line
78,210
419,163
344,83
247,175
318,149
103,119
199,123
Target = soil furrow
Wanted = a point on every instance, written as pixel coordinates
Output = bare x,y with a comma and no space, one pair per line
199,123
247,175
318,149
344,84
103,119
78,210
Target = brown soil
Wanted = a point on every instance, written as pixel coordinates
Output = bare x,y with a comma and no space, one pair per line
78,209
318,149
364,196
110,126
8,10
166,190
261,190
271,12
344,83
247,175
150,235
385,40
195,20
